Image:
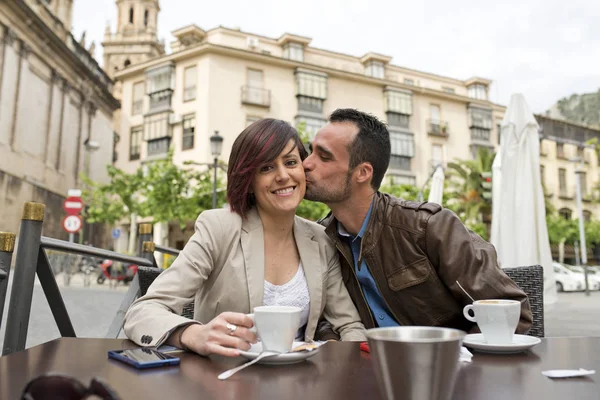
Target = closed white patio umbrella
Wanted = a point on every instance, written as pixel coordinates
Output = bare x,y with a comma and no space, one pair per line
519,230
436,190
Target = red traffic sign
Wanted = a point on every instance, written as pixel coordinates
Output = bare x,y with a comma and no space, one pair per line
73,205
72,223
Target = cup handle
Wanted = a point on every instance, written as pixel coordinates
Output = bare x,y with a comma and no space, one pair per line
466,313
253,329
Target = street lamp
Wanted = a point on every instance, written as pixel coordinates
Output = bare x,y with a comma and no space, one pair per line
216,143
90,146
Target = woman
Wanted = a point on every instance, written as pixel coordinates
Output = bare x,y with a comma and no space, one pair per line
257,253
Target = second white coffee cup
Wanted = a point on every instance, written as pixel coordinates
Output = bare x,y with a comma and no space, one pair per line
497,319
276,326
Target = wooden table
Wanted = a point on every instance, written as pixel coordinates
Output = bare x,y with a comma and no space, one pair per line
339,371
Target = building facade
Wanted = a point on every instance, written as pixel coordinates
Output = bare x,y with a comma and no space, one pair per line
224,79
56,112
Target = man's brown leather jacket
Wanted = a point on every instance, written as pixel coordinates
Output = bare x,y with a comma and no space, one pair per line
418,254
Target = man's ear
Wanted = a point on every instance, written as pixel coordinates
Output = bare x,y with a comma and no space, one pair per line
364,173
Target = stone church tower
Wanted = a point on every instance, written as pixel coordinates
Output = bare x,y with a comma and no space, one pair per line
136,37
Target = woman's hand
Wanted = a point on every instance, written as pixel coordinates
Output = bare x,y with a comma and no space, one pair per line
225,335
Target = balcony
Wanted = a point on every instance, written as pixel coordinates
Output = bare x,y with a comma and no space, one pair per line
160,100
256,96
437,128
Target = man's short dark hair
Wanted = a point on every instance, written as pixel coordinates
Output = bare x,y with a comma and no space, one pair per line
371,144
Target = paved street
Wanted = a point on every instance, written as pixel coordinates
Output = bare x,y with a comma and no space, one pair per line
93,308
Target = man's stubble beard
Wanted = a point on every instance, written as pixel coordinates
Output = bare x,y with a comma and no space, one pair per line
328,196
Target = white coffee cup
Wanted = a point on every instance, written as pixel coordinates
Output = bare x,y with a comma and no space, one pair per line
277,326
497,319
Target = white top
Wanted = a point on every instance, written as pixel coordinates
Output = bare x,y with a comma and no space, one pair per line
293,293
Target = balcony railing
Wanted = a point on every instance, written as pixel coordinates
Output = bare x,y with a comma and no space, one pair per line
437,128
160,100
256,96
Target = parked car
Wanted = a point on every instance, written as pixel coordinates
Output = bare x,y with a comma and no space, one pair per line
593,276
567,280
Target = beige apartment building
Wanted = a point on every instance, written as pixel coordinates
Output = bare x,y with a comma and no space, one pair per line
224,79
56,112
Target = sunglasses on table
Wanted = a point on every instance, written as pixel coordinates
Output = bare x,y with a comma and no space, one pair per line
63,387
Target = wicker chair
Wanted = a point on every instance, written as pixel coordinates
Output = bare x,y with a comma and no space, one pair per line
531,281
147,275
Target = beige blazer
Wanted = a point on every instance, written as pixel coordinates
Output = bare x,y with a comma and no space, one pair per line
221,269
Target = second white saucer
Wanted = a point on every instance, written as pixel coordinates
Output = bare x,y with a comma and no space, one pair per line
520,343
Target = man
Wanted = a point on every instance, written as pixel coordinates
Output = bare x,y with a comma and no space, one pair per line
403,262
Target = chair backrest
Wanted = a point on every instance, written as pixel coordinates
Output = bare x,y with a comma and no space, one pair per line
147,275
531,280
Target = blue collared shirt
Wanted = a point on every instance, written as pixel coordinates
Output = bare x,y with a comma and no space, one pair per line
381,314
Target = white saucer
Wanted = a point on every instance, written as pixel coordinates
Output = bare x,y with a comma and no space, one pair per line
520,343
281,359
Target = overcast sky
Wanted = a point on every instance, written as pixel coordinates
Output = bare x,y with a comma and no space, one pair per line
545,49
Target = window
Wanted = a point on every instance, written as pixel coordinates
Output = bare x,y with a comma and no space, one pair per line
160,83
253,93
478,91
293,51
409,81
137,106
376,69
580,153
562,181
398,101
189,83
145,17
310,104
403,144
135,143
311,85
434,113
480,118
447,89
565,213
189,127
156,126
131,15
543,175
482,135
398,120
251,119
160,79
437,155
560,150
311,125
587,216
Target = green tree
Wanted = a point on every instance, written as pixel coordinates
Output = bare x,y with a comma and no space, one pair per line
161,190
465,190
111,202
561,229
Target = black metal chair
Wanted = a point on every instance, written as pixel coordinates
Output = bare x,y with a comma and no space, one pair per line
531,280
147,275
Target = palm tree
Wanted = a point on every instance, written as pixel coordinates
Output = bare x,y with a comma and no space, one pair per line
466,190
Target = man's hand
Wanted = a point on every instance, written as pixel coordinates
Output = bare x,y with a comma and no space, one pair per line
225,335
